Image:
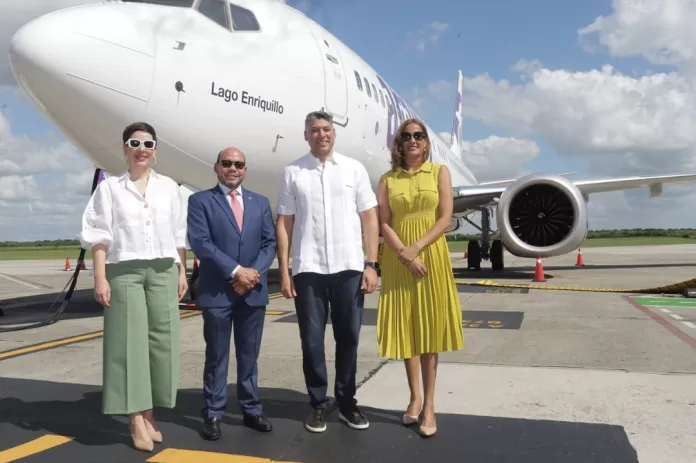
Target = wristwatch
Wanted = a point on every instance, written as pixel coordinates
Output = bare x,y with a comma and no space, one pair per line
374,265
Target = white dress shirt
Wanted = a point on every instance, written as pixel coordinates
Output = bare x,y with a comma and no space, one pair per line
132,226
326,201
226,191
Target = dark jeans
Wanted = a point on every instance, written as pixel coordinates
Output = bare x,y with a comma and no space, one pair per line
315,293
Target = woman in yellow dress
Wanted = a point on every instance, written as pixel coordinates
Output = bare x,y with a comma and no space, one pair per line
419,313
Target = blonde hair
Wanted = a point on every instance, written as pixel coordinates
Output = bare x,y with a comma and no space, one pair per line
397,156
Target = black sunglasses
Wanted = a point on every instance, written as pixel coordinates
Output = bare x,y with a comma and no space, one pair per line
418,136
226,163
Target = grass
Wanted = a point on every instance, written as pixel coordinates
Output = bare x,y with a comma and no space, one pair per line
460,246
72,252
636,241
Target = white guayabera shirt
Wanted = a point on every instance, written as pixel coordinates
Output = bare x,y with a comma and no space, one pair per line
326,201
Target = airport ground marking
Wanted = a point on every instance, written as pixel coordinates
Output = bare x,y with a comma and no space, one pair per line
197,456
691,341
666,302
97,334
678,317
33,447
22,282
674,288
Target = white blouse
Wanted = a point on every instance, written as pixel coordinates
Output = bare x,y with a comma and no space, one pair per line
133,227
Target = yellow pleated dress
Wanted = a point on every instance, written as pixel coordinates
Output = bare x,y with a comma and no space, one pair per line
417,315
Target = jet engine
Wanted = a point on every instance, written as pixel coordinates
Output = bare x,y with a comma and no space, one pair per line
542,214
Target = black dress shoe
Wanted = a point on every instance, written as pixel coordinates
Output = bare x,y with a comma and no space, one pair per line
258,422
211,428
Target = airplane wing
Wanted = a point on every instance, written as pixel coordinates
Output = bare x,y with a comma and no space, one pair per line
488,192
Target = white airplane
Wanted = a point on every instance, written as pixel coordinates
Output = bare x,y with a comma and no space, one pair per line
211,73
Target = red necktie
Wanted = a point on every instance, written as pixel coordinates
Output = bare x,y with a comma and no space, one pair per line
237,209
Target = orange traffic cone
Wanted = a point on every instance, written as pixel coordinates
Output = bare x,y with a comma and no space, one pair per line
539,271
83,266
67,265
580,262
466,254
195,263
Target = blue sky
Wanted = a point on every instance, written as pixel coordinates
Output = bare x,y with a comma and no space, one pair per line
563,113
481,38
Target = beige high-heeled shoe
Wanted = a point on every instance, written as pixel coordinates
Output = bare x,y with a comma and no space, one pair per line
141,441
428,431
156,436
410,419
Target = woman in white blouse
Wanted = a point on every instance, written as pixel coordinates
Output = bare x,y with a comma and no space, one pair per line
135,225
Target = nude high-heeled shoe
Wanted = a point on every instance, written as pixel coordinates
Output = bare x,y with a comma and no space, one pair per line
410,419
156,436
428,431
141,440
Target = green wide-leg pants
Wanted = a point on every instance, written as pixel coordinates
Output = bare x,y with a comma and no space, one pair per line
141,337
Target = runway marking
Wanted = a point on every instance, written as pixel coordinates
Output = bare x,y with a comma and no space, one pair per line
22,282
666,302
65,341
33,447
689,324
96,334
691,341
196,456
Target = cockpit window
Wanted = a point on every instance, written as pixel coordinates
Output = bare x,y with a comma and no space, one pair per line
243,19
181,3
215,10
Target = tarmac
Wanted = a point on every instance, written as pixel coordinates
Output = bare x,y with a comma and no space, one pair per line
544,376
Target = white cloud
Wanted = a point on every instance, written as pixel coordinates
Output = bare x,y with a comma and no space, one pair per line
661,31
621,124
44,186
427,34
44,182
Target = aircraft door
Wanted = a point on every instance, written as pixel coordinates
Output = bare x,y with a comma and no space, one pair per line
335,82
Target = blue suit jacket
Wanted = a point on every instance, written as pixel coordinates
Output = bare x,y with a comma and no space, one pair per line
215,239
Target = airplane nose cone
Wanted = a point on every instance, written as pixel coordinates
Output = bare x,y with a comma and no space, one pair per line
88,68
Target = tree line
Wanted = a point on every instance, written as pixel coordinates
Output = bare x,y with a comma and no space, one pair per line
689,233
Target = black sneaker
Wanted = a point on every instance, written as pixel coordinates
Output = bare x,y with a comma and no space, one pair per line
315,422
353,418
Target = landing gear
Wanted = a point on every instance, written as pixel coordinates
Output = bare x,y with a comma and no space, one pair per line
485,250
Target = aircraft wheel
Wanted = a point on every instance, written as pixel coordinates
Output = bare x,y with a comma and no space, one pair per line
474,255
497,255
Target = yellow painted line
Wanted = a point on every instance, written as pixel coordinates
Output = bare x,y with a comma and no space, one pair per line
98,334
50,345
197,456
41,444
666,289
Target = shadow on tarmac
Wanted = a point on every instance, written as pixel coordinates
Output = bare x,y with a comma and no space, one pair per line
30,408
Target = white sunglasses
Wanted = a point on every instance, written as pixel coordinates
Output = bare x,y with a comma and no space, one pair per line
135,143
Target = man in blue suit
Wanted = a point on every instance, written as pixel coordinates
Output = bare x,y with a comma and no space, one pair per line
231,232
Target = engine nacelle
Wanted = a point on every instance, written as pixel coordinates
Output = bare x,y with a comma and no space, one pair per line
542,215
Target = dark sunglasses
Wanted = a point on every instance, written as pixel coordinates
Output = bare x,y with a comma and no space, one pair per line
418,136
226,163
135,143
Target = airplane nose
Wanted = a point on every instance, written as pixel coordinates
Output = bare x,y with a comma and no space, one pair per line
88,68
